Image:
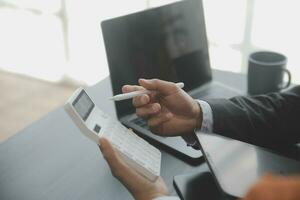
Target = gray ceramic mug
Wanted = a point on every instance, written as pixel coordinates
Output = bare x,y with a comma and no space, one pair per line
266,70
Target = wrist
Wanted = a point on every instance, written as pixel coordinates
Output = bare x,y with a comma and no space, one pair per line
198,115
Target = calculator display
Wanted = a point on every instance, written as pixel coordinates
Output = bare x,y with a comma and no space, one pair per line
83,105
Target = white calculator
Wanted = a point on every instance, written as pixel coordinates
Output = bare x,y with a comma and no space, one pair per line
94,123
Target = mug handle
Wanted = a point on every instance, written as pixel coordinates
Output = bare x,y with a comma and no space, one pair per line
289,79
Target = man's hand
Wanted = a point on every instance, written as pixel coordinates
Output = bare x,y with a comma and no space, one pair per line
169,110
140,187
275,188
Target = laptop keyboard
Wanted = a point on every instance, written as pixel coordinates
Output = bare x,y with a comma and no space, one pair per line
140,122
175,143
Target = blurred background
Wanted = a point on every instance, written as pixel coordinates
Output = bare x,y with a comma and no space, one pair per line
50,47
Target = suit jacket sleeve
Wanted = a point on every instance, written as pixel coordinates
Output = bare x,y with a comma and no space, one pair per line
266,120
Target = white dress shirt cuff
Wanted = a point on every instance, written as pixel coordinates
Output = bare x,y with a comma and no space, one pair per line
206,126
167,198
207,117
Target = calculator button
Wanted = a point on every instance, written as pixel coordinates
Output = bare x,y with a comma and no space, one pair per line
140,162
150,169
127,153
133,146
97,128
117,146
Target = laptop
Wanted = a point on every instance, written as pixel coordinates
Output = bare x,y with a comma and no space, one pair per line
237,165
169,43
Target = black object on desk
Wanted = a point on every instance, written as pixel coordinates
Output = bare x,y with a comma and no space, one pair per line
195,186
242,161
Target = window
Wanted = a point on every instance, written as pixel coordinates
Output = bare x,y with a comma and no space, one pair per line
32,38
61,39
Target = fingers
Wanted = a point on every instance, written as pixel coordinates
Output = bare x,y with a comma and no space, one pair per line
114,161
265,187
110,155
141,100
137,101
156,121
131,88
159,87
164,87
128,176
148,110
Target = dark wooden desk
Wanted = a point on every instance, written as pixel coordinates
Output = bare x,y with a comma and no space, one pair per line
51,160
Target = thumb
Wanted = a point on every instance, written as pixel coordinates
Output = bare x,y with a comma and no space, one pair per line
110,155
163,87
118,168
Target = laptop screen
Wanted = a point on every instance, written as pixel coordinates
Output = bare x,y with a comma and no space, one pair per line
167,42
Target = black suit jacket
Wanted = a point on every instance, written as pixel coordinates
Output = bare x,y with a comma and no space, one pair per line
267,120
